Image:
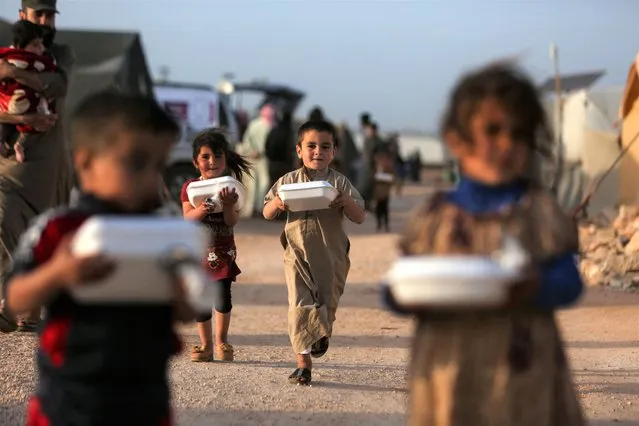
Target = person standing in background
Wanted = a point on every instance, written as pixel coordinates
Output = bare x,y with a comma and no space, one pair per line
280,145
364,121
253,146
372,142
399,165
347,155
45,179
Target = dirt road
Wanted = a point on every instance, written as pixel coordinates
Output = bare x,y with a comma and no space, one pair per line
362,379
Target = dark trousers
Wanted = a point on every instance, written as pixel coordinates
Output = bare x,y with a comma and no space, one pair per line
381,213
223,304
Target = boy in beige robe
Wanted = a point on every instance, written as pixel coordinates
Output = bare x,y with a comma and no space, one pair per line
316,247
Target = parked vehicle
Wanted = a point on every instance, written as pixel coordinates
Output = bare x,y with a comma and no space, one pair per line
196,107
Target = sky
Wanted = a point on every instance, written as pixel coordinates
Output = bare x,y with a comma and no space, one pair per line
397,59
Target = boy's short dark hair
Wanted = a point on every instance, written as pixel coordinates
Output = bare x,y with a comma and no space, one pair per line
318,126
24,32
100,117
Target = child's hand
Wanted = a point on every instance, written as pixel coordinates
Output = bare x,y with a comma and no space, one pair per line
280,204
71,270
341,201
205,208
228,197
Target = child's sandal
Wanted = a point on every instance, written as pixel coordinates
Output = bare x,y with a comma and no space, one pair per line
224,352
6,324
199,355
28,326
301,376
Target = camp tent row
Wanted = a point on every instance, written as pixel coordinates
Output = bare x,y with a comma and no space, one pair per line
103,60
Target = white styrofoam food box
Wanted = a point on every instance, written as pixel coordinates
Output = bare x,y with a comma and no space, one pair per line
384,177
201,190
305,196
434,281
137,246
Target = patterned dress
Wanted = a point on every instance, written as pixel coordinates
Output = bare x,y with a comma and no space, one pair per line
222,252
492,368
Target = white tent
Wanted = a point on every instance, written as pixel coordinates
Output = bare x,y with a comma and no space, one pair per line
590,142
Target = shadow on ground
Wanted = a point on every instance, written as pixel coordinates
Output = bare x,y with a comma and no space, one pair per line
356,295
282,340
603,345
264,418
605,296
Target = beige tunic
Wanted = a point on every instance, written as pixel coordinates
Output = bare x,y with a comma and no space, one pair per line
499,368
257,185
316,261
45,179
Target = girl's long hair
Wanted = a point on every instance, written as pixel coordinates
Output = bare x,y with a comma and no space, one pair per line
236,164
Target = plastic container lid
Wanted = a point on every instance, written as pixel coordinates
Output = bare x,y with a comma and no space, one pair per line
201,190
319,184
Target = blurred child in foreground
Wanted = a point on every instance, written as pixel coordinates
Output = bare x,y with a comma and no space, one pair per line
100,364
504,366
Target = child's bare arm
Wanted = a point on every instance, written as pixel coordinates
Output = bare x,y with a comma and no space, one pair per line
273,208
195,213
352,210
32,289
273,204
352,203
228,199
231,216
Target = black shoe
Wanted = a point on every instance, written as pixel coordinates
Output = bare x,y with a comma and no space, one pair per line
301,376
319,348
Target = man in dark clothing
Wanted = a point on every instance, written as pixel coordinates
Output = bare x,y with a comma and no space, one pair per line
280,145
347,153
30,188
372,143
316,114
364,120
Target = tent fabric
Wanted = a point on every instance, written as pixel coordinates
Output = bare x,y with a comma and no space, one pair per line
601,149
589,136
595,110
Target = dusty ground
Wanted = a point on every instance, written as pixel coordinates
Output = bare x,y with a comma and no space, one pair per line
362,379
